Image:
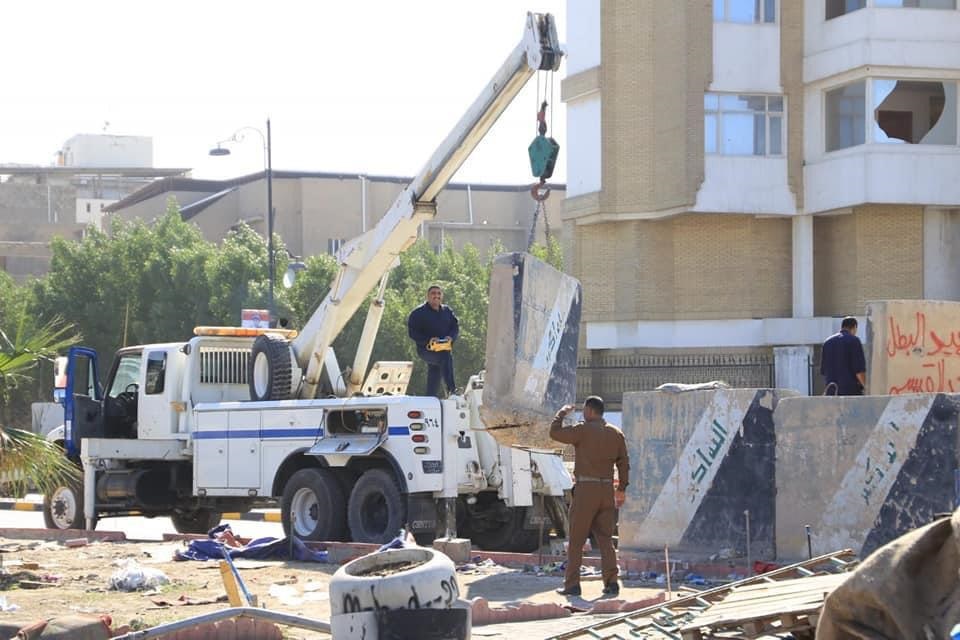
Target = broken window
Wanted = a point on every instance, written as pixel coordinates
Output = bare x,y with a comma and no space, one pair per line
743,125
837,8
745,11
917,4
846,108
914,112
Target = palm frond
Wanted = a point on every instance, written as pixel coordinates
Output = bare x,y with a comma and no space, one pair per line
29,462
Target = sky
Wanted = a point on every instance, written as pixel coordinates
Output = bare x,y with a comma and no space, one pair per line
359,86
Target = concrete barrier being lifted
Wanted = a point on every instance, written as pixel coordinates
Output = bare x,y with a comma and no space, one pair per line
533,326
861,471
700,459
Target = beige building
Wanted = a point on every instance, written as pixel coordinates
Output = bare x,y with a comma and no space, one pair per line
39,203
317,212
742,173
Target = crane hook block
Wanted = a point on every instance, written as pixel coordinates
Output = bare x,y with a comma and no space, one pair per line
543,156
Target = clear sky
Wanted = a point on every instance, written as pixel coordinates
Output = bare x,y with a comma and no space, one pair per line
365,86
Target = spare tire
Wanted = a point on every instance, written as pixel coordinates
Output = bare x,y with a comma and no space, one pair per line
413,578
270,372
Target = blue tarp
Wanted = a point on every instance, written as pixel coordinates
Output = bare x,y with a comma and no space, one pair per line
257,549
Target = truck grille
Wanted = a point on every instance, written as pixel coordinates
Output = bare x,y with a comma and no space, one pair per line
224,365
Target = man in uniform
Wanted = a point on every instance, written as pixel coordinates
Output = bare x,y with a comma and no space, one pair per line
429,323
599,447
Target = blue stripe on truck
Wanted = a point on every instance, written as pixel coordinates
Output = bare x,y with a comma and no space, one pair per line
288,432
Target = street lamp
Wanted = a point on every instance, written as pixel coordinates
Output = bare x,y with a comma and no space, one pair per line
238,136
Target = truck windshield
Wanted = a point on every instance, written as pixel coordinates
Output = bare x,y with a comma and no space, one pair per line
128,372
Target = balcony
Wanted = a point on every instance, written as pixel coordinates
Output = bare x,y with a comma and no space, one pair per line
879,35
877,173
882,140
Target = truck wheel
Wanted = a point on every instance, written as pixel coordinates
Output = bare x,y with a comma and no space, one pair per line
395,579
270,373
63,508
199,521
509,535
377,509
314,498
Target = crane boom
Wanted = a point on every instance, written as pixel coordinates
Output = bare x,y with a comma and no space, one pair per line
367,258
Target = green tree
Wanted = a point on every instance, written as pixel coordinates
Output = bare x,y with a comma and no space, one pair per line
143,283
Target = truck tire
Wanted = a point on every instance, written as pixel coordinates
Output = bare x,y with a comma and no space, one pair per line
377,509
63,507
497,535
315,499
198,521
412,578
270,372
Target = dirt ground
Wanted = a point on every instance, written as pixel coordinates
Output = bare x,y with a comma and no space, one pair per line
46,579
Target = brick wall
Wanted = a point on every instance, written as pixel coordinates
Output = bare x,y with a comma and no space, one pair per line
873,253
697,266
791,77
656,64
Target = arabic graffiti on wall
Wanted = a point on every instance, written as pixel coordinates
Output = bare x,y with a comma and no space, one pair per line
914,347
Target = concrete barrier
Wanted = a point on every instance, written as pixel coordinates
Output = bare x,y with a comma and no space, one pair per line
700,459
861,471
533,326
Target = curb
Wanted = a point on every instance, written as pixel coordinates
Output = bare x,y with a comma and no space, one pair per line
254,516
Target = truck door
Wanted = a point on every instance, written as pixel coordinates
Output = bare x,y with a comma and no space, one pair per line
83,404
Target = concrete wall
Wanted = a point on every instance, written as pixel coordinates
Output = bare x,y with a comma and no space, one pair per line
861,471
699,460
915,346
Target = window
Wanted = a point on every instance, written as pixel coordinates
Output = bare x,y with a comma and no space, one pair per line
126,374
837,8
914,112
743,125
917,4
156,368
333,245
846,107
745,11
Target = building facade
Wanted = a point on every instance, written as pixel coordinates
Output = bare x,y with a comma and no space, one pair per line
317,213
38,203
742,173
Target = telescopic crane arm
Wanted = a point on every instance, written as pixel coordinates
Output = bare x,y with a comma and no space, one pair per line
367,259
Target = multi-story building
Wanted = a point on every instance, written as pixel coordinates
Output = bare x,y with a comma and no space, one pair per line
317,212
38,203
743,172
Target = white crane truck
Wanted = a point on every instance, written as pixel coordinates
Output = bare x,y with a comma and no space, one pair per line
238,418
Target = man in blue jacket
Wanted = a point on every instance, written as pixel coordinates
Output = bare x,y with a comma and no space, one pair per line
842,362
434,327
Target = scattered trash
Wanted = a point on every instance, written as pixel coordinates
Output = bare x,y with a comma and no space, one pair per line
221,538
698,580
132,577
76,542
185,600
6,605
404,540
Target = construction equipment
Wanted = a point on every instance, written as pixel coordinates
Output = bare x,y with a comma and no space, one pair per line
242,417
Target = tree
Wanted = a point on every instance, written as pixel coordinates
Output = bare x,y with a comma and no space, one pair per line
27,459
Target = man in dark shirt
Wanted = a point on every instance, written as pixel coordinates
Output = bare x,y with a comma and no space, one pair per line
431,322
842,362
599,446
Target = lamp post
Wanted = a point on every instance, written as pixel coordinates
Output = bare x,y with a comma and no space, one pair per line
238,136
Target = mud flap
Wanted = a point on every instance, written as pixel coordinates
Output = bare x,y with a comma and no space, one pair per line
533,325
